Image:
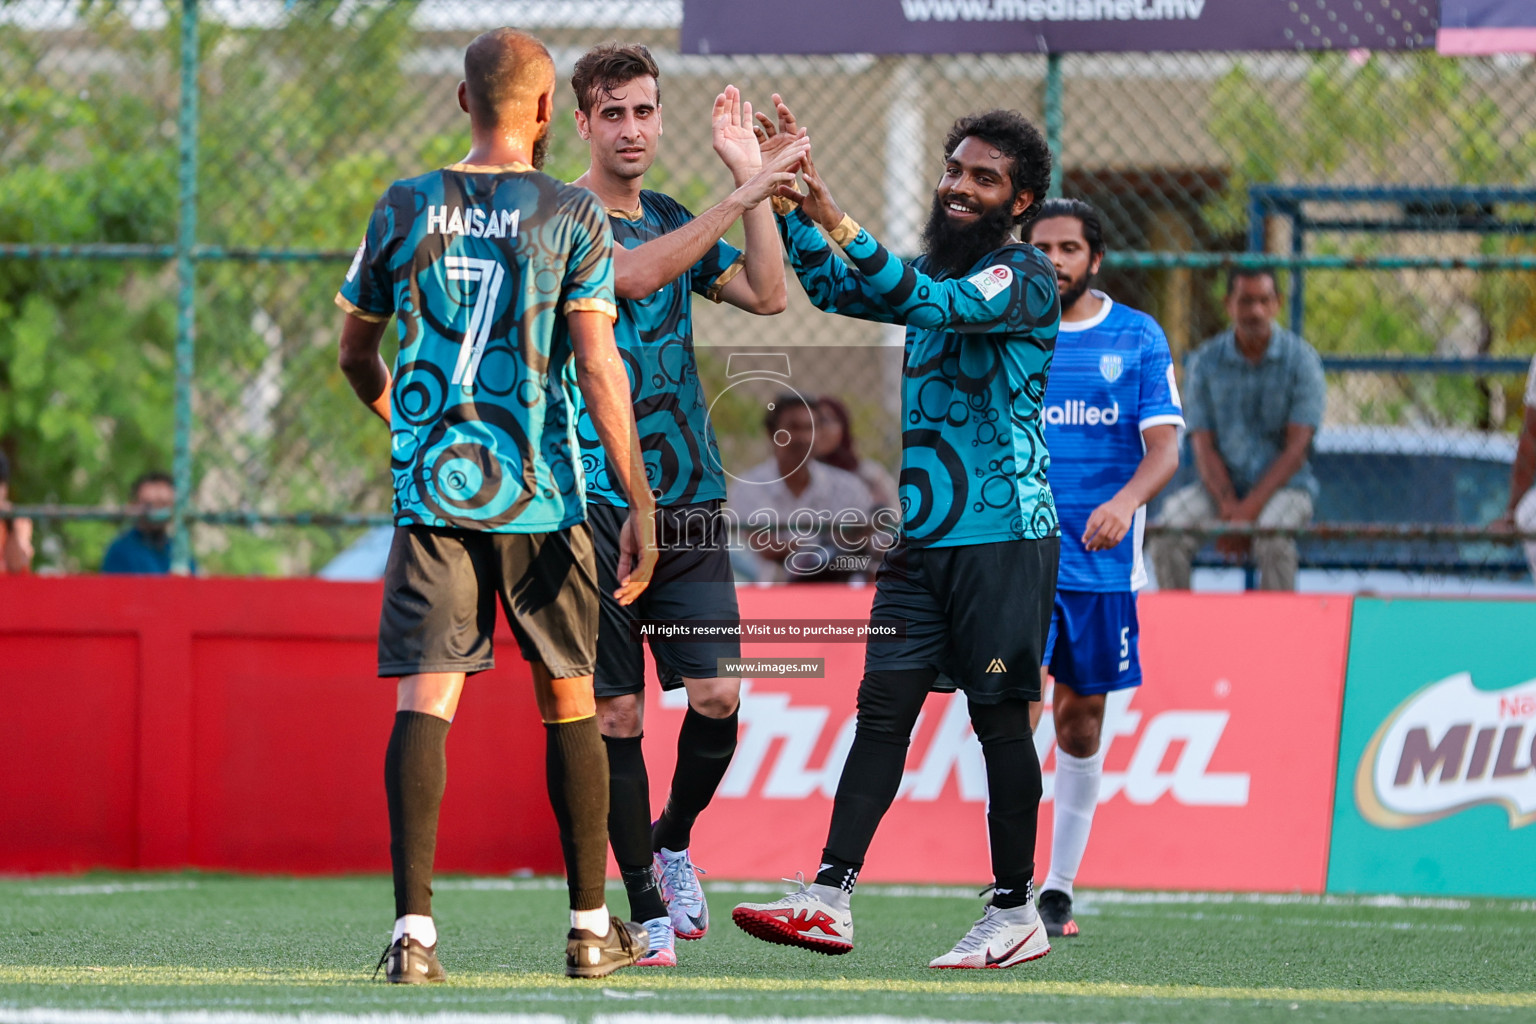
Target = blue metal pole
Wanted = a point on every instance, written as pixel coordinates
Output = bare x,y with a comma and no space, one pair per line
186,297
1053,120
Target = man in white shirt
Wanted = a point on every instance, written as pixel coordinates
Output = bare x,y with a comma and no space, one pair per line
804,519
1521,511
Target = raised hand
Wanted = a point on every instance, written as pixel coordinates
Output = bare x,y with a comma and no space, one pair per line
731,130
816,201
778,171
770,135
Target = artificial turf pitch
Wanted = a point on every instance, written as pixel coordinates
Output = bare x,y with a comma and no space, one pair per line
205,949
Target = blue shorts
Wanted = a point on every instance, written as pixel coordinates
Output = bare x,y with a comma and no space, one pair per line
1093,642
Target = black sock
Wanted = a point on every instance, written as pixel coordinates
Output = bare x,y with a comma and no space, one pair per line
576,769
704,750
629,826
1013,788
889,703
415,770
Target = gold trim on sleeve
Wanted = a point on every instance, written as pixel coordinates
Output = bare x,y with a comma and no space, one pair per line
592,306
846,231
357,311
725,278
515,166
783,207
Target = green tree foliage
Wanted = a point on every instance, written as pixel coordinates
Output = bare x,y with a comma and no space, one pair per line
1388,119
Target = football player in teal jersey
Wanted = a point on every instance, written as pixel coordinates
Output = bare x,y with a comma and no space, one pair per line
974,570
663,257
500,279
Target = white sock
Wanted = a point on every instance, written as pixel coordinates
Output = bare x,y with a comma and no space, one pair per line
831,894
1077,794
594,921
418,927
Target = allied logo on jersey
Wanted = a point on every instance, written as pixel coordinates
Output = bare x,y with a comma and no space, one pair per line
1449,747
1076,413
996,665
992,280
1111,366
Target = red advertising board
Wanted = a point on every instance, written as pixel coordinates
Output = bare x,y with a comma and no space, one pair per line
238,724
1219,771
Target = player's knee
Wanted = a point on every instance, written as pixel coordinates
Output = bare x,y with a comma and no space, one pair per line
714,698
1006,720
566,700
889,702
1079,738
620,717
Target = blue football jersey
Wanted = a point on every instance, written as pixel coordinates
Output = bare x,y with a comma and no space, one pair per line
480,266
1112,378
655,337
978,349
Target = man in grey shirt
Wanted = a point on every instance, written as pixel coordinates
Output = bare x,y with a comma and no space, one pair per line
1255,400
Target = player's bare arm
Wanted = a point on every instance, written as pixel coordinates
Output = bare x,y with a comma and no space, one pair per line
604,386
362,365
641,271
1111,521
760,287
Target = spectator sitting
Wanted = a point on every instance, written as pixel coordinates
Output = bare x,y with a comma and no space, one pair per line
1521,512
145,547
834,446
15,534
806,520
1255,400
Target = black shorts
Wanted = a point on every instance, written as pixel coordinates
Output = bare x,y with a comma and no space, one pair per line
440,591
693,582
977,613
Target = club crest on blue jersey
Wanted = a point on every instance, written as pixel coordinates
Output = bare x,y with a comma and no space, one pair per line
1111,366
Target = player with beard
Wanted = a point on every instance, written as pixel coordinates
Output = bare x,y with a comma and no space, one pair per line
663,256
1112,417
979,540
501,279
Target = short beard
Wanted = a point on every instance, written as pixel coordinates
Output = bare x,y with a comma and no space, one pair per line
541,149
953,249
1078,290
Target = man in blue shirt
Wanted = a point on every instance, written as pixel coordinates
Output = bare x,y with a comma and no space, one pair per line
1254,398
1112,417
501,280
663,257
973,572
145,547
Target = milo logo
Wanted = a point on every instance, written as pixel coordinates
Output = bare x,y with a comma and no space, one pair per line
1449,747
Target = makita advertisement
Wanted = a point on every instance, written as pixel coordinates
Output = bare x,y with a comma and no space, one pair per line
1437,756
1055,26
1219,769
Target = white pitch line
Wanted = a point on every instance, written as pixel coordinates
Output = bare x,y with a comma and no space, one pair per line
106,888
49,1015
1087,900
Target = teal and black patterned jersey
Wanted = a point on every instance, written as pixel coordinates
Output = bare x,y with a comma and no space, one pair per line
480,266
655,336
978,350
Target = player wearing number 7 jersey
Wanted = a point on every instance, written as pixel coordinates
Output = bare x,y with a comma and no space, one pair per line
501,280
1112,417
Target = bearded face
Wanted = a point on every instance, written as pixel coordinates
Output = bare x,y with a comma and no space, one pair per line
955,246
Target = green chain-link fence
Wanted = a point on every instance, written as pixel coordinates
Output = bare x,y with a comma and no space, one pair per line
182,185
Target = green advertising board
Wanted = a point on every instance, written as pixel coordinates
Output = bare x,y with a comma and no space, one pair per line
1436,786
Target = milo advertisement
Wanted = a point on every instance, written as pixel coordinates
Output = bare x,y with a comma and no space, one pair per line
1437,751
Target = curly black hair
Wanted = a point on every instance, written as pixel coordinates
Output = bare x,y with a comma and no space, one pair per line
1017,139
